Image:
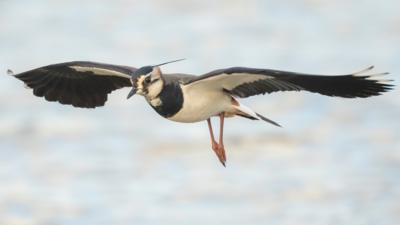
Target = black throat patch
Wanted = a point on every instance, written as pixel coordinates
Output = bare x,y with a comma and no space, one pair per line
171,98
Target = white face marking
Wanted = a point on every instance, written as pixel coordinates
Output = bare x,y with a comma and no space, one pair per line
155,87
99,71
139,85
150,88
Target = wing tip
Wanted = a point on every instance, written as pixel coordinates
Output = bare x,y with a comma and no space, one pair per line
10,72
375,88
376,78
361,72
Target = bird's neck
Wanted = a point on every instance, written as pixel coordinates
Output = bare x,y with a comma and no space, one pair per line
169,101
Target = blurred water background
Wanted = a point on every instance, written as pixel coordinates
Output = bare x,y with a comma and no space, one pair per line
335,161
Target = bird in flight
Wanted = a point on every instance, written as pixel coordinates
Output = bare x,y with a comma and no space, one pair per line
188,98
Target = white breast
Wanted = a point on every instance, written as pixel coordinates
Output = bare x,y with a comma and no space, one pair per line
199,104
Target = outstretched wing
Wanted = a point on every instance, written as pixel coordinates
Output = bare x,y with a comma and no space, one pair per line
244,82
81,84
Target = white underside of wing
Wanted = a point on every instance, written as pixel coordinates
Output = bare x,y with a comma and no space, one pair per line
200,105
99,71
206,98
227,81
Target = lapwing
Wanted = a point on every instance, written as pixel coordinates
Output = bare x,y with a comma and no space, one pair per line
188,98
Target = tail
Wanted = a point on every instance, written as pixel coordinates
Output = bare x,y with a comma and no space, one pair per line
268,120
245,111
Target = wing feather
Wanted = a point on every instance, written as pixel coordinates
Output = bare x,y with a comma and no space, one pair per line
79,83
244,82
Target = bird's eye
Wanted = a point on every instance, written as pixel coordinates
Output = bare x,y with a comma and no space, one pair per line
147,79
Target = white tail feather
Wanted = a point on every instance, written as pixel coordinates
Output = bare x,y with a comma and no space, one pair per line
250,113
246,110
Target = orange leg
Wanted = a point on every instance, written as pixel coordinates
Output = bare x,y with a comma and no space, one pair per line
221,137
214,144
218,147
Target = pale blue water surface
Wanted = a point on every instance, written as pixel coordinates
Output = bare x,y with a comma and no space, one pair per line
335,161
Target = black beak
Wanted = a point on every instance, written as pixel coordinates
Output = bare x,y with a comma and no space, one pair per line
132,92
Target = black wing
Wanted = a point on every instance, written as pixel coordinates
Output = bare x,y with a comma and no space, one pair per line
81,84
245,82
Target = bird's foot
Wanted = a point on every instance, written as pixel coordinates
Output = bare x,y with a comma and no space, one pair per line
220,152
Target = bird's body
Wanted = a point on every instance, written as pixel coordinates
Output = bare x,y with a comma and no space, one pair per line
206,104
188,98
180,100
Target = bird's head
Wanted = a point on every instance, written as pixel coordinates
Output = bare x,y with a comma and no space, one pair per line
148,81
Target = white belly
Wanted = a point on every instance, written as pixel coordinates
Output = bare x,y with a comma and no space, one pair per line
199,105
